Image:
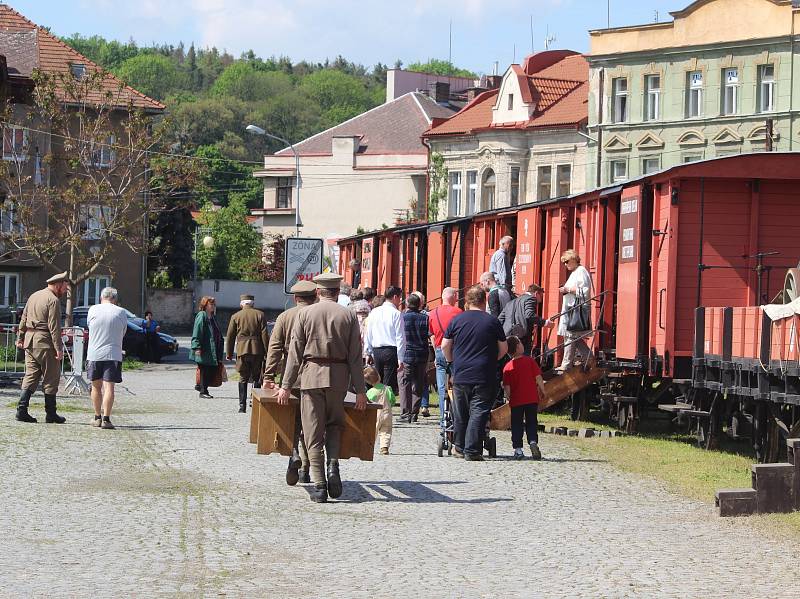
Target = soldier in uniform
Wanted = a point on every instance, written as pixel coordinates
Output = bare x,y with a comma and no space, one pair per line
40,337
325,353
247,333
305,294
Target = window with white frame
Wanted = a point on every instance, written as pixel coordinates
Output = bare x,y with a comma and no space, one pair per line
14,143
563,180
514,185
694,157
95,220
472,191
9,219
730,91
694,95
651,165
89,290
766,88
9,288
618,170
103,154
619,100
511,101
652,90
283,193
454,205
544,183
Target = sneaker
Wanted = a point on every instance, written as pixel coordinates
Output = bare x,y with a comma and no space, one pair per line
473,458
535,453
97,421
107,424
384,451
206,396
457,453
518,455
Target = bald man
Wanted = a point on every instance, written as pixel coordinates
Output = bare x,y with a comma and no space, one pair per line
438,320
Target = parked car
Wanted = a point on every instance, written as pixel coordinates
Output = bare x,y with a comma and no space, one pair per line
133,344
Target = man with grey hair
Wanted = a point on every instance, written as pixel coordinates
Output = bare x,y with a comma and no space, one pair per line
344,295
107,325
248,337
501,263
497,296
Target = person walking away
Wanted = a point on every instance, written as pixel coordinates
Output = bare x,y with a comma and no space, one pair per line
501,265
151,328
519,317
426,392
344,295
107,324
305,294
414,359
474,342
206,344
248,335
438,321
382,395
39,335
385,339
524,388
369,295
325,354
576,291
497,296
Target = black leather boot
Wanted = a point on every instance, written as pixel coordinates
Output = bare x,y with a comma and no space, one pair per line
50,410
242,398
319,494
334,480
304,477
22,406
292,472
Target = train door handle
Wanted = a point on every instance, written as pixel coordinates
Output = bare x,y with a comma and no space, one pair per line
660,308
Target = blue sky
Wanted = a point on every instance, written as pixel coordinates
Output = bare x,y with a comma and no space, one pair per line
365,32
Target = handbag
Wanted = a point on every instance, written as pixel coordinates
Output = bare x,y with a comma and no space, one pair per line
220,376
580,315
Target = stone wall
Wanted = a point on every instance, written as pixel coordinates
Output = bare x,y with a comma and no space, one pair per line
172,308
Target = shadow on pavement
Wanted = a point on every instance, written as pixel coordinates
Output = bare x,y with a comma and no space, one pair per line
404,491
142,427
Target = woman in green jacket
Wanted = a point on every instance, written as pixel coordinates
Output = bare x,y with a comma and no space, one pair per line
207,344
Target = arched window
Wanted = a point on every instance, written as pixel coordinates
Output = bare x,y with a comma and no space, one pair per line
488,189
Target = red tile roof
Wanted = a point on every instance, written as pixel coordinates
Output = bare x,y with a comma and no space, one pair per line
54,56
557,81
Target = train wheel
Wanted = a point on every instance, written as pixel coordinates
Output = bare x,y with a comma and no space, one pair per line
791,285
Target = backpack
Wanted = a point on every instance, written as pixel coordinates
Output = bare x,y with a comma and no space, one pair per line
514,320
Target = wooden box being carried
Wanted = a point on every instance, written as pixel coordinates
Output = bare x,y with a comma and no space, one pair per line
272,426
557,388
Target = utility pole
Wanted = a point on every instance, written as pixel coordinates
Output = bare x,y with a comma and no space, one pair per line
450,48
608,14
533,50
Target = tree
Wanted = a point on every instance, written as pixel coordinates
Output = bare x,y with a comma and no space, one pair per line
172,245
237,250
152,74
242,81
438,185
221,178
103,185
334,89
439,67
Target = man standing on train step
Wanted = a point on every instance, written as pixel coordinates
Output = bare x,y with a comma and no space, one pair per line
305,294
501,263
325,353
40,337
247,332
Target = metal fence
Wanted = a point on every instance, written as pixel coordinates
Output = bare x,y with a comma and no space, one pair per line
12,359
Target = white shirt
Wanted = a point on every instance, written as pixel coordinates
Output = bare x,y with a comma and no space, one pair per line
385,329
581,281
344,300
107,325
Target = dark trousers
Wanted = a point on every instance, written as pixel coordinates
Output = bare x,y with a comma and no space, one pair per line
412,387
207,374
524,417
386,365
471,407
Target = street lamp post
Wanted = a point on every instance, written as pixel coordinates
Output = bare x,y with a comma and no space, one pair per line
208,242
254,129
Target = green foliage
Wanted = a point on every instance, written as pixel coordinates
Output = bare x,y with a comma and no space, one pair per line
223,178
439,67
236,252
244,82
438,185
152,74
110,54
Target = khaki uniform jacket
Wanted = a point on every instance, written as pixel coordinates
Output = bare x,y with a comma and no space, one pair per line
325,350
40,325
279,343
247,331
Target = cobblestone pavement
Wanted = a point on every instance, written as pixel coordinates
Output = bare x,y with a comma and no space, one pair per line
176,503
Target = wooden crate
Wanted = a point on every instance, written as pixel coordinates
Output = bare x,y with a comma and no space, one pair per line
275,428
358,436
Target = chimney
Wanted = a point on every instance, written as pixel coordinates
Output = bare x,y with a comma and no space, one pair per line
474,92
493,81
439,91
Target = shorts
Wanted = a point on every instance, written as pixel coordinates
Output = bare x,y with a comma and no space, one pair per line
106,370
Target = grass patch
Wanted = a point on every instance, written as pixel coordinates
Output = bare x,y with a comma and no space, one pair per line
132,364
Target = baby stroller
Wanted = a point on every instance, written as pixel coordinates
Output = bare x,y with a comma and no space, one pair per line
446,429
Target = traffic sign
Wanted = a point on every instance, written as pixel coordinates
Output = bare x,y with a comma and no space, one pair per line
303,260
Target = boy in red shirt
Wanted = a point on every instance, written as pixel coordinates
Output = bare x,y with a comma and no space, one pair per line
523,386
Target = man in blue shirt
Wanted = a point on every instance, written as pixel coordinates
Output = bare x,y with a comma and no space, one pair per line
151,328
474,342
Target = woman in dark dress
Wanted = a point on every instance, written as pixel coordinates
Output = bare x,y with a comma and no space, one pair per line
207,344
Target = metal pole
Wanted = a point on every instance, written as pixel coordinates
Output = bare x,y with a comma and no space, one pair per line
297,185
194,274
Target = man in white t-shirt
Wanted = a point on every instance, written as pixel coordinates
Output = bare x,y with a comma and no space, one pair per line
107,324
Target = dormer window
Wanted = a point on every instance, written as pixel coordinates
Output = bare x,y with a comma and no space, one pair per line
511,101
78,70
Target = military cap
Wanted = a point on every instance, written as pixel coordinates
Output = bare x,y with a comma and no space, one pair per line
328,280
59,278
246,297
303,288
